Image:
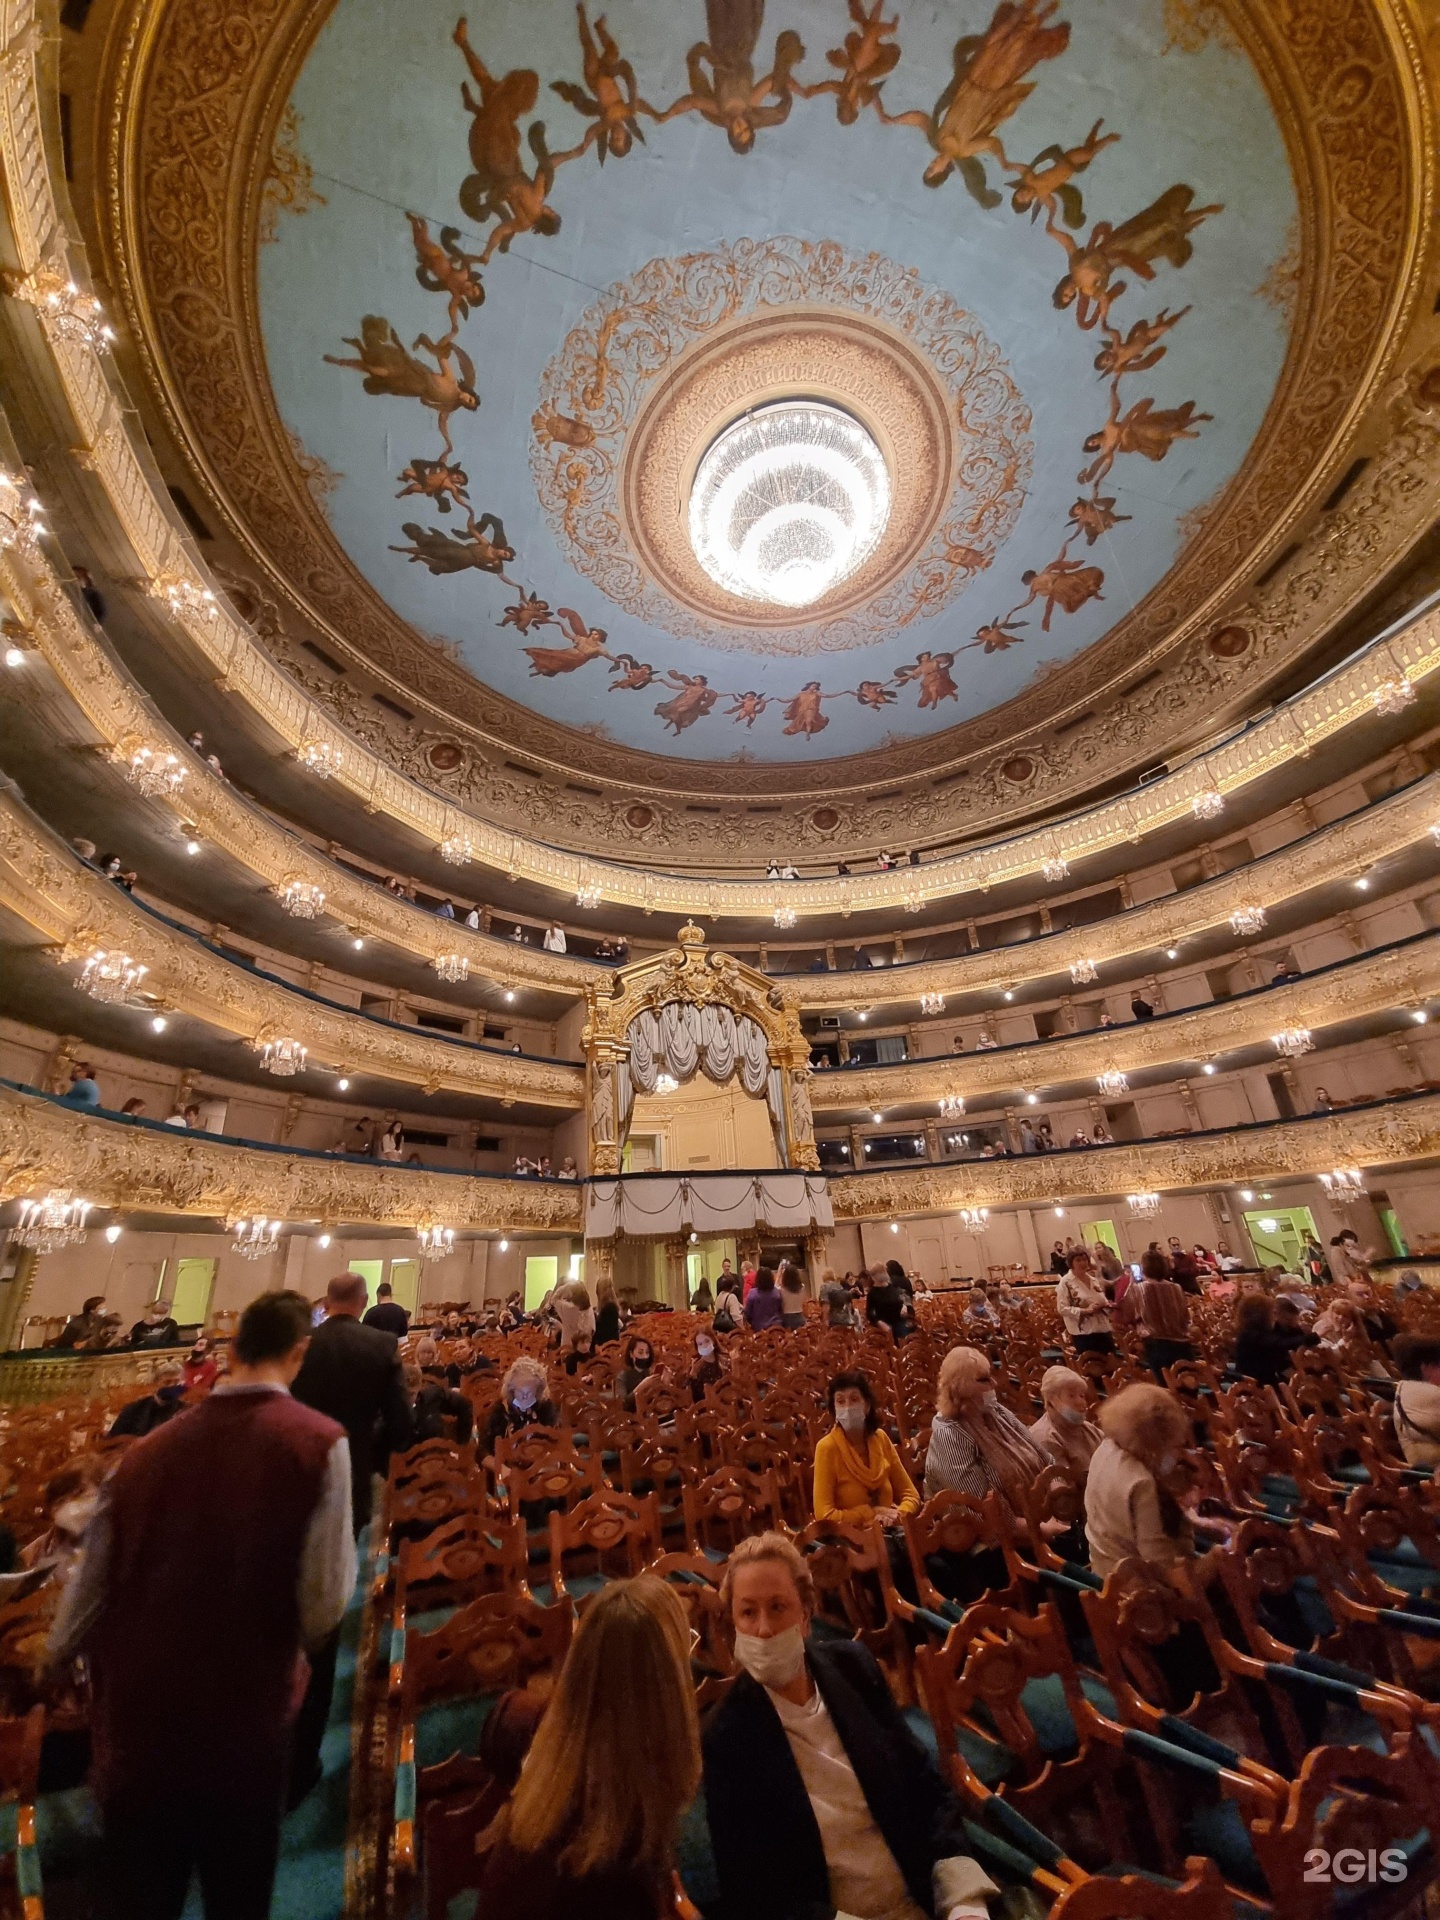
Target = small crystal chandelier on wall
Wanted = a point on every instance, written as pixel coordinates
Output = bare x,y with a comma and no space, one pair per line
452,967
1143,1206
22,518
973,1219
1112,1083
1208,804
1293,1041
323,758
952,1106
1082,972
154,772
437,1242
785,917
110,976
302,899
588,897
1247,920
1344,1185
255,1239
1394,696
283,1056
932,1003
69,313
457,849
57,1220
1055,868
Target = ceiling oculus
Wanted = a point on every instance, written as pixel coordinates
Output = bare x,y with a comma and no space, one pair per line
788,502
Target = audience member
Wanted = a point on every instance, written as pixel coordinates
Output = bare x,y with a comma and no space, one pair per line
387,1314
225,1539
156,1328
200,1369
607,1312
554,941
729,1316
1083,1306
524,1402
83,1091
639,1359
392,1142
1159,1305
708,1367
1416,1411
438,1410
1141,1007
139,1417
819,1798
1261,1354
352,1373
702,1300
1129,1514
574,1312
764,1308
70,1500
837,1300
792,1297
976,1444
1065,1430
858,1474
133,1108
90,1327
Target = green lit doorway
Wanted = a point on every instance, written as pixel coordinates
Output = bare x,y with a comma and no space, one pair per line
1101,1233
1278,1234
542,1270
405,1283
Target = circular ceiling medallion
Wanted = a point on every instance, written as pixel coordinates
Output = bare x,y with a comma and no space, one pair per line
647,383
1228,643
787,502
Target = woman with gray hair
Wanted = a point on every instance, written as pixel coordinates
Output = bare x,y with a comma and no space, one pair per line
524,1402
1129,1512
976,1444
1065,1429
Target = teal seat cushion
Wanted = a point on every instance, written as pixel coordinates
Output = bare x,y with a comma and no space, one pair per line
451,1727
695,1857
1219,1831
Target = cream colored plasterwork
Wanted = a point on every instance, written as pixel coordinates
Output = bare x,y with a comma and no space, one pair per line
1375,1137
54,892
158,1171
1372,983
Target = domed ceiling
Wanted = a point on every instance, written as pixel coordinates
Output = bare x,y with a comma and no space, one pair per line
477,326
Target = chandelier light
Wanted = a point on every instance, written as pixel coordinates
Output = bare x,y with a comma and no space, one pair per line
1208,804
973,1218
186,599
1082,972
437,1242
302,899
1293,1042
155,773
952,1106
785,916
457,849
320,757
69,313
22,518
1056,868
1112,1083
1344,1184
452,968
256,1239
58,1220
283,1057
1144,1206
932,1003
911,900
1247,920
110,976
666,1083
587,897
788,502
1394,696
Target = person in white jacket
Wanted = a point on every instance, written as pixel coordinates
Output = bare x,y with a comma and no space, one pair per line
1417,1400
554,938
1083,1306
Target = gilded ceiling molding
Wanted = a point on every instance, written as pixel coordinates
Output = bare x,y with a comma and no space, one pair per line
52,890
1372,983
155,1170
1383,1136
1362,152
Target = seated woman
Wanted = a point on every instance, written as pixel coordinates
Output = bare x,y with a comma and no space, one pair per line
858,1473
583,1836
819,1797
707,1367
1065,1430
977,1445
1129,1514
524,1402
639,1359
1342,1329
439,1412
1260,1353
1417,1399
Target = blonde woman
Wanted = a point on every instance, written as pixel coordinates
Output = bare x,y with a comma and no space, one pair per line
1128,1512
584,1835
1065,1429
977,1445
575,1314
524,1402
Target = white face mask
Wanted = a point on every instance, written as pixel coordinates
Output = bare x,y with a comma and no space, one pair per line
1074,1416
704,1348
852,1419
987,1397
774,1662
524,1401
73,1516
1168,1464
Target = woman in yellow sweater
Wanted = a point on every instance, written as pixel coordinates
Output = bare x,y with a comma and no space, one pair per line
858,1475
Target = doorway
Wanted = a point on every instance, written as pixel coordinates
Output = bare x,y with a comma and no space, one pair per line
1278,1234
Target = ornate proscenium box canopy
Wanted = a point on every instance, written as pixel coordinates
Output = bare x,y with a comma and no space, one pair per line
996,346
689,1011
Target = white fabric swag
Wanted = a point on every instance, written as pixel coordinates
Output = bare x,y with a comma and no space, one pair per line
648,1205
680,1037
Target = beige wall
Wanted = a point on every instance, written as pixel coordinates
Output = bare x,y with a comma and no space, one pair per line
702,1125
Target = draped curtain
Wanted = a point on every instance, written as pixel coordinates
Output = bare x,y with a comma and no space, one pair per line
680,1037
650,1205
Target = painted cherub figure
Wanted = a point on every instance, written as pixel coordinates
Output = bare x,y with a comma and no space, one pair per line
1146,429
441,266
634,674
1140,349
586,644
500,188
1050,177
694,700
996,635
482,546
865,60
987,86
527,612
1160,231
748,707
613,99
875,695
1067,584
932,672
388,368
729,95
435,480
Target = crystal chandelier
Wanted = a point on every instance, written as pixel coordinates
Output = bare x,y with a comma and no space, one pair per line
666,1083
22,518
1112,1083
1056,868
1144,1206
787,502
1247,920
457,849
302,898
1208,804
256,1239
1082,972
283,1057
1344,1184
155,773
109,976
973,1218
952,1106
184,598
587,897
785,916
437,1242
911,900
931,1003
1293,1042
320,757
54,1222
452,968
69,314
1394,696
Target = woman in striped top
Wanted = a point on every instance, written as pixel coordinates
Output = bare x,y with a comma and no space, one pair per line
976,1444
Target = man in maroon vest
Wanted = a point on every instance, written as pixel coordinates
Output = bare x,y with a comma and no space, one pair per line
224,1540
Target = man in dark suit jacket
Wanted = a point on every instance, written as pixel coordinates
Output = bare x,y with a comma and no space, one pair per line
869,1814
353,1373
387,1313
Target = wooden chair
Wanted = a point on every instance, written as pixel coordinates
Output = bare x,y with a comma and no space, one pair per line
612,1534
499,1641
725,1506
457,1562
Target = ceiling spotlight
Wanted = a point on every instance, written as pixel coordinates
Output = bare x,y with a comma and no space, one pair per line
504,1246
1032,1099
1172,953
1059,1213
894,1226
113,1232
159,1023
343,1086
862,1016
358,945
1419,1016
1009,993
1247,1195
877,1118
14,656
510,993
192,847
323,1241
1209,1067
1362,885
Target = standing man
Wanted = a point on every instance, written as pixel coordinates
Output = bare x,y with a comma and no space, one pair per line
1083,1306
224,1537
387,1314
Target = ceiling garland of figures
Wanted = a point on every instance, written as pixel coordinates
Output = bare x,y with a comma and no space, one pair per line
554,252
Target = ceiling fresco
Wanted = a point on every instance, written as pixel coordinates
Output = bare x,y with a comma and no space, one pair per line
1046,252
